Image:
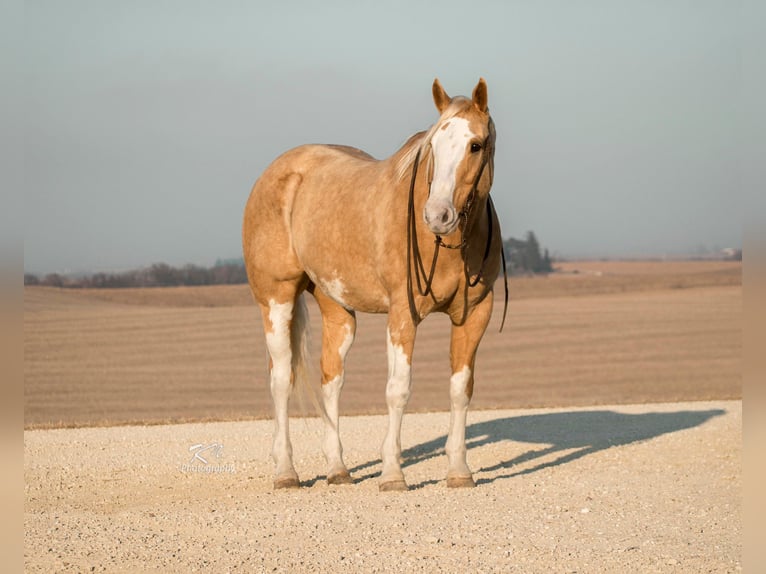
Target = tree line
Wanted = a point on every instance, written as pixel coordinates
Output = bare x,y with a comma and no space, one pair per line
522,256
226,272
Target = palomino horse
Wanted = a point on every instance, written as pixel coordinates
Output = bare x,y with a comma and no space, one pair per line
335,222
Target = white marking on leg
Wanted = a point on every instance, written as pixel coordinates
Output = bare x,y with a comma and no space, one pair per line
397,395
278,344
455,447
332,447
346,344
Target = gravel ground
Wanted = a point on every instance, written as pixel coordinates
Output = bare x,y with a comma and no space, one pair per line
643,488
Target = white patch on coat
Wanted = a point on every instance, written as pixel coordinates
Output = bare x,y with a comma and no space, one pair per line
450,145
278,343
397,395
335,289
331,390
455,447
457,384
278,339
331,445
398,372
348,340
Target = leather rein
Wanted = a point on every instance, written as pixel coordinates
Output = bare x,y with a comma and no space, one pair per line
424,281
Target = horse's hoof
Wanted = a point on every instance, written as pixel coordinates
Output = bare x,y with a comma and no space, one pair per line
340,478
286,482
460,482
393,486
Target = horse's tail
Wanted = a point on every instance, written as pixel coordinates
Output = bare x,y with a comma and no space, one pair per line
300,336
299,342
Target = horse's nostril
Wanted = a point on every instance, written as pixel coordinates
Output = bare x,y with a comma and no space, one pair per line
445,217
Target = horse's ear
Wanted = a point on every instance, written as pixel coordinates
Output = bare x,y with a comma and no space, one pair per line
480,95
441,99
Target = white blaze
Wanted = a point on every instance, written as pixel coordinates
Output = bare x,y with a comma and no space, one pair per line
449,147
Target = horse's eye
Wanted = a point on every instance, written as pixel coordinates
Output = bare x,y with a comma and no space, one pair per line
475,147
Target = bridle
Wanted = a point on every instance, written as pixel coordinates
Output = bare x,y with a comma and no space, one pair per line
423,280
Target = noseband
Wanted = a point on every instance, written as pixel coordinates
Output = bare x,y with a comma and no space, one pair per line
423,280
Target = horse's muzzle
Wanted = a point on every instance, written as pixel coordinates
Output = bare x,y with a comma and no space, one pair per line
441,217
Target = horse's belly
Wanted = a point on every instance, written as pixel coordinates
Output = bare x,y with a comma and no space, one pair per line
351,294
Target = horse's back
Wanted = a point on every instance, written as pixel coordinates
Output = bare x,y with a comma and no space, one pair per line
307,169
309,158
309,194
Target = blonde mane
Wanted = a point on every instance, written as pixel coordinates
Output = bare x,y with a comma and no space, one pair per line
404,164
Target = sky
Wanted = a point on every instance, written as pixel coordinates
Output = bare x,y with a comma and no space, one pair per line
146,123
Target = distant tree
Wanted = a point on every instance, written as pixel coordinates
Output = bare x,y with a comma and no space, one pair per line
533,261
236,261
547,264
195,275
224,272
229,274
163,275
99,280
31,279
733,255
523,256
53,280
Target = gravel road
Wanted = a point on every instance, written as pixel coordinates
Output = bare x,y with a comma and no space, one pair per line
642,488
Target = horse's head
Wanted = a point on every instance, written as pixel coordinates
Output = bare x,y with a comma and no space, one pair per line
462,146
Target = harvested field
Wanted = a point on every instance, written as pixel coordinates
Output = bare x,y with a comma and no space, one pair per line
574,278
636,332
603,487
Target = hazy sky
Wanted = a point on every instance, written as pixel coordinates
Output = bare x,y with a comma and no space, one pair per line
148,122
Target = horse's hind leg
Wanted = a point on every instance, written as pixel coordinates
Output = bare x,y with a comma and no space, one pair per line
338,329
284,319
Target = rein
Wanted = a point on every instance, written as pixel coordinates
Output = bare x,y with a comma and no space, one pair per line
423,280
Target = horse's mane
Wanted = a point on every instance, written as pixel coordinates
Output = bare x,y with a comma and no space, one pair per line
420,142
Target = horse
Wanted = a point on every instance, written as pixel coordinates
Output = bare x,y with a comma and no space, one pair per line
409,235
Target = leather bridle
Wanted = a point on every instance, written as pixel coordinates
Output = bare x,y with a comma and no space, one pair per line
423,280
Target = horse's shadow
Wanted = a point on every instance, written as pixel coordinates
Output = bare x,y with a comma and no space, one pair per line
572,434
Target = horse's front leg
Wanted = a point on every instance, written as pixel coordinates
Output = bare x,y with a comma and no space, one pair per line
401,341
465,341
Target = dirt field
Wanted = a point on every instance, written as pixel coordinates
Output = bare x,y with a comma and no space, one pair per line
611,333
607,486
642,488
